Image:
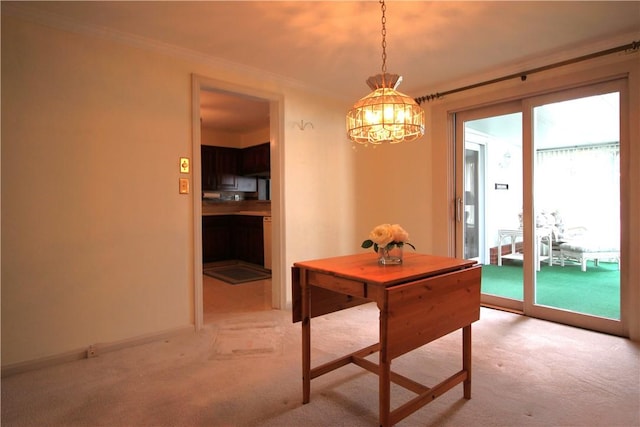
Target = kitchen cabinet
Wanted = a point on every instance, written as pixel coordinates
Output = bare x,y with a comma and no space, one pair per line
219,168
232,237
256,160
226,168
222,168
207,155
217,238
249,239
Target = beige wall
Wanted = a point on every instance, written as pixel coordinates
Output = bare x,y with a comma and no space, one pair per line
318,184
96,240
97,244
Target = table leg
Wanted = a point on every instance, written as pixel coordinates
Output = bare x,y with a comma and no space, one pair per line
385,392
384,368
466,360
306,337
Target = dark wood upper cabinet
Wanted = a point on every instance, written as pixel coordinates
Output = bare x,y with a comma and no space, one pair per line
207,154
227,169
256,160
219,168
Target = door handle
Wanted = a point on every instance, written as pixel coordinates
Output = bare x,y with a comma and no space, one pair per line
459,209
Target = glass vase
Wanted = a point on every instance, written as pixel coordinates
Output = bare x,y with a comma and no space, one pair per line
391,256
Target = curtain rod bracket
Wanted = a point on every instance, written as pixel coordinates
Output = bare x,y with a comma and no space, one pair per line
428,98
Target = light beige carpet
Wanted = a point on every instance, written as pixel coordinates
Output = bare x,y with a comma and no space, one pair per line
244,370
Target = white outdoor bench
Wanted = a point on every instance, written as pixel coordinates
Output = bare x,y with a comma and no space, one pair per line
582,250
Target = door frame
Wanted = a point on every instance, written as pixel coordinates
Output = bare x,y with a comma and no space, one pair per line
276,139
525,105
479,203
459,119
589,322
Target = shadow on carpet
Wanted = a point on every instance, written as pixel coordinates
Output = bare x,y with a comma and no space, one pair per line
237,273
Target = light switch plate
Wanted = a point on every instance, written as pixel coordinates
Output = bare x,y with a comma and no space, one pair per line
184,165
184,185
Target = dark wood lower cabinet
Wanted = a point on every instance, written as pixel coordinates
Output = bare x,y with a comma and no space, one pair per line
217,238
232,237
249,239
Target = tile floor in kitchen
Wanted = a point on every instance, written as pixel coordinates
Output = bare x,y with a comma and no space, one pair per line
222,298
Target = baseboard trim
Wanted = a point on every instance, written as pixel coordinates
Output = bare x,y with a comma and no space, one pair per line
98,349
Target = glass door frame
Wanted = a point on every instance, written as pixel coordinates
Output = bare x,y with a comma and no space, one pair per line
459,119
612,326
525,106
477,211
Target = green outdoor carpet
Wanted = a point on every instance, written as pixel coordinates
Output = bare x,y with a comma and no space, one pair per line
595,291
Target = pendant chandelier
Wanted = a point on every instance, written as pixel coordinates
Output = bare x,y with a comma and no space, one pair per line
385,115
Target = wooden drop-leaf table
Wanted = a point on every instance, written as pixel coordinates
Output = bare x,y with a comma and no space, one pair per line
420,301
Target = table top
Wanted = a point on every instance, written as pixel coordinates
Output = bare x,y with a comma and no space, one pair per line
364,267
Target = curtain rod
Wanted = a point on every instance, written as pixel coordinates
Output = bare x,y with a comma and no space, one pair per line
633,46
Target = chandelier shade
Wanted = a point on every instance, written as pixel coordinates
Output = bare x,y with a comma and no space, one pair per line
385,115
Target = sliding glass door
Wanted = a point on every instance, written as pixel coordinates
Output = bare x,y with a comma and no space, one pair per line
575,158
490,203
538,204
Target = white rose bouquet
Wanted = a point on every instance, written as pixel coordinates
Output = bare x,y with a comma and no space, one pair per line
387,236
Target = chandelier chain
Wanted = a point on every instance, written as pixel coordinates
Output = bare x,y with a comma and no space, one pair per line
383,6
385,115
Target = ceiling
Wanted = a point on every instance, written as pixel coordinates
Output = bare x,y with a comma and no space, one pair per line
235,113
333,46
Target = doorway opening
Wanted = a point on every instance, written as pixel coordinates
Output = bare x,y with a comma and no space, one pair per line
212,296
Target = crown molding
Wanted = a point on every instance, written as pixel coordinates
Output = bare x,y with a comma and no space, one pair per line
24,11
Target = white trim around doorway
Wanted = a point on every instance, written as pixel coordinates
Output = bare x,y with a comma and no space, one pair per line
276,137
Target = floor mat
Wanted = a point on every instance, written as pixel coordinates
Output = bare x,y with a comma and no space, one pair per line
237,273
